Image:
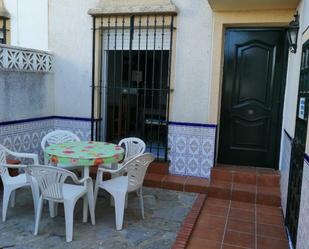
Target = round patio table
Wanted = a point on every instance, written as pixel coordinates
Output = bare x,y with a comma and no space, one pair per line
85,155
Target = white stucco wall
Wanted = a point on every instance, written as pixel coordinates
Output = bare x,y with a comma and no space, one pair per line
29,23
70,40
192,61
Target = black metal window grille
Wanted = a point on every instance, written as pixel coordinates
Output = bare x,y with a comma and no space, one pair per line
133,90
298,149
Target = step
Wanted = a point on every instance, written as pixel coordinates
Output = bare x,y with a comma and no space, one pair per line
246,184
178,183
246,175
263,195
157,176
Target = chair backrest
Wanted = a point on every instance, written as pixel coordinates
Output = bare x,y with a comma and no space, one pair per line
4,172
50,180
133,147
137,168
58,137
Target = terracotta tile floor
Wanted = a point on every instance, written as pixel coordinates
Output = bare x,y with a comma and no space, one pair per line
226,224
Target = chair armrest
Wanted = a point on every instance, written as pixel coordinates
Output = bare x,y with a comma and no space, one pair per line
81,181
32,156
14,166
112,170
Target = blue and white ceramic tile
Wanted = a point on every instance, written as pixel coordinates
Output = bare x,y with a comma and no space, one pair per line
27,136
303,226
285,170
192,149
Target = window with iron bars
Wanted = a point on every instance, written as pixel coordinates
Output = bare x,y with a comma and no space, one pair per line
132,96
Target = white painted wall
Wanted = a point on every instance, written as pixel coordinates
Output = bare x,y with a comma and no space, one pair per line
70,40
193,58
29,23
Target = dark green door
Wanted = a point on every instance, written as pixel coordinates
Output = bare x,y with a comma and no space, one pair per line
251,97
298,147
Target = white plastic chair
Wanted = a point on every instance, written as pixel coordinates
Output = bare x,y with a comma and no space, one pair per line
133,147
119,187
11,184
58,137
51,181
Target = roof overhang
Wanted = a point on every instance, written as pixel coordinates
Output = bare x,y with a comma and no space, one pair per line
241,5
128,9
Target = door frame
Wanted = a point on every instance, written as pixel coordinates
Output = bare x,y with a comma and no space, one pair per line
282,90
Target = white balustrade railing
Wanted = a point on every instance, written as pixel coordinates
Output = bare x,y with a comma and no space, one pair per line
24,59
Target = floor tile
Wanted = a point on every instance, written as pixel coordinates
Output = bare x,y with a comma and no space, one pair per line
241,226
197,243
216,210
277,232
243,205
153,180
269,243
266,199
239,239
218,202
211,220
269,210
263,218
243,196
174,182
225,246
244,187
221,175
245,177
239,214
222,193
196,184
268,180
205,232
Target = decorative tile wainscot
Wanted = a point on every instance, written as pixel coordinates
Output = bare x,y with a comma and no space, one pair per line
192,148
26,135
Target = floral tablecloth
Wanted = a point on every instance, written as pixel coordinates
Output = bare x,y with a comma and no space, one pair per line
83,153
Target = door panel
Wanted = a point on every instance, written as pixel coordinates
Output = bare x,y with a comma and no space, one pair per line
251,96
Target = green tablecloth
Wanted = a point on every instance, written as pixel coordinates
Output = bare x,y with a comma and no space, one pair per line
83,153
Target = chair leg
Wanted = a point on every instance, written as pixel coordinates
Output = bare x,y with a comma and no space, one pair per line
91,203
53,209
96,187
85,208
120,199
5,202
141,201
69,212
35,195
38,216
13,198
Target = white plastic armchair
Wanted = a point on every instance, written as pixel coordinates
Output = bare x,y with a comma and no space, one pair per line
58,137
51,181
133,147
11,184
119,187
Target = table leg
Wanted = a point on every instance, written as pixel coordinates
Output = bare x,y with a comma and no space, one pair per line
85,201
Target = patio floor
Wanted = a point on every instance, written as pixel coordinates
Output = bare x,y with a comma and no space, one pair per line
165,211
242,211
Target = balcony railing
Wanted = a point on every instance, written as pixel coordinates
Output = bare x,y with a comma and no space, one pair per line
25,59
